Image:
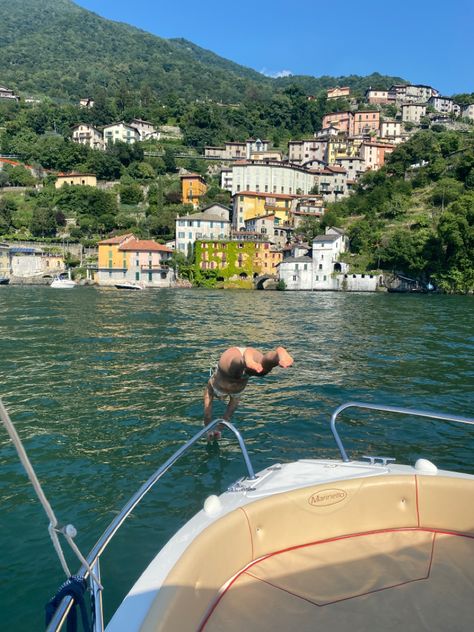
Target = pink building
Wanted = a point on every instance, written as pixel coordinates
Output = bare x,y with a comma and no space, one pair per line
342,121
366,121
373,154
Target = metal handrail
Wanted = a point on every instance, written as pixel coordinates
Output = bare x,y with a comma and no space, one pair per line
61,613
389,409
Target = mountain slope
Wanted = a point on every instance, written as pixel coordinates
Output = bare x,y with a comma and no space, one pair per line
56,48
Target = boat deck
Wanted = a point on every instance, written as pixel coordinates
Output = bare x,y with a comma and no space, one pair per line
403,579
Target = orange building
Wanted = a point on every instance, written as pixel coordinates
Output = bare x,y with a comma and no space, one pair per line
366,121
193,187
342,121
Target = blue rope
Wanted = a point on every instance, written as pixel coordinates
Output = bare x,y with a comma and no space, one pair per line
74,587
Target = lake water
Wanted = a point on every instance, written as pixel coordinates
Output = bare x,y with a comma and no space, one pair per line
104,385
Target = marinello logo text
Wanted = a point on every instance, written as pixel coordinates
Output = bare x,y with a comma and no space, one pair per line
327,497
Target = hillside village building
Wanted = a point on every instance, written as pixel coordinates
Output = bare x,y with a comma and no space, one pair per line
341,121
374,154
193,188
377,96
76,179
211,223
271,177
146,130
468,112
391,130
122,132
5,93
445,105
88,135
127,259
303,151
250,204
234,150
365,122
338,93
413,112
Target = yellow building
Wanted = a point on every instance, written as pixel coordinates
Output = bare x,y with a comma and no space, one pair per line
193,187
342,149
76,179
248,205
110,257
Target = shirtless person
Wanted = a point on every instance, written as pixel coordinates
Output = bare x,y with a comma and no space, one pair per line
232,373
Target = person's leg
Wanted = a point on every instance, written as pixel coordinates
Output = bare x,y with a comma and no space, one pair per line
263,364
231,406
208,399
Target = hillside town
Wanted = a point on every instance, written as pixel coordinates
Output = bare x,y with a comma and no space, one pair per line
255,241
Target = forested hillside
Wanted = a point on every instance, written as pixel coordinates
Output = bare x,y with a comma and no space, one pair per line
56,48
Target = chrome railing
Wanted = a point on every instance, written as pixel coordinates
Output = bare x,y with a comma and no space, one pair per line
389,409
64,608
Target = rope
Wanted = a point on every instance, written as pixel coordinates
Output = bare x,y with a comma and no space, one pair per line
68,531
74,587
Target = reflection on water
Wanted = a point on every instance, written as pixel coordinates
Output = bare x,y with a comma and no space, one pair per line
104,385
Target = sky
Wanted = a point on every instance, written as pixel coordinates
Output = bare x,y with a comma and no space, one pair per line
429,42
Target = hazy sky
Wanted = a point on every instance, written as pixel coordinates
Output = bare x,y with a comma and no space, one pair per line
422,41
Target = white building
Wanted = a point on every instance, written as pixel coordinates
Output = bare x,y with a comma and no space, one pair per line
88,135
271,177
226,179
413,112
212,223
468,112
391,130
376,96
445,105
303,151
332,182
145,129
121,131
323,271
353,165
237,150
5,93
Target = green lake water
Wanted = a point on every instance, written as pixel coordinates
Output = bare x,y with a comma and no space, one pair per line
104,385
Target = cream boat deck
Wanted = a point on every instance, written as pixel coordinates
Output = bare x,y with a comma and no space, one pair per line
390,552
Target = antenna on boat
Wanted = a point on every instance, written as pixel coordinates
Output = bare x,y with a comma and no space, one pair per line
54,528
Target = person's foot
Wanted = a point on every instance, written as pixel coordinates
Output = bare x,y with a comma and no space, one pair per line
284,358
250,363
213,435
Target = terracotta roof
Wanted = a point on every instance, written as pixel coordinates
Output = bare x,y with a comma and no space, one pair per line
115,240
147,245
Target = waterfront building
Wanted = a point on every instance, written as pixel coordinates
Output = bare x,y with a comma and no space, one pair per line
245,256
211,223
193,188
120,132
88,135
5,267
127,259
76,179
26,262
269,227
